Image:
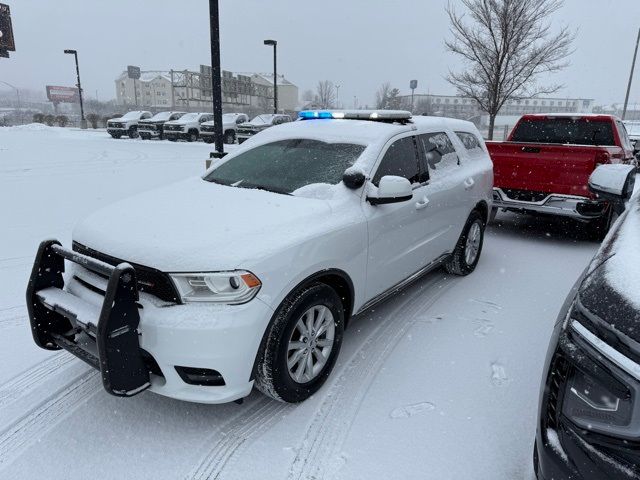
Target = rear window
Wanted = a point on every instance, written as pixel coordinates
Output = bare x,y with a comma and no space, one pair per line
564,131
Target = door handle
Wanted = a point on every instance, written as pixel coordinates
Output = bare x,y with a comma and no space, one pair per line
469,183
422,203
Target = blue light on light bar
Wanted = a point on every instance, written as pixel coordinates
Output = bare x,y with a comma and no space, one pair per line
311,114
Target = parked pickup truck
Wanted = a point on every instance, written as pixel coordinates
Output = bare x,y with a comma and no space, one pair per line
187,127
152,127
230,122
545,164
260,123
127,124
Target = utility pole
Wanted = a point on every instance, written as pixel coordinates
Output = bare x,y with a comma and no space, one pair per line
337,96
633,66
216,74
274,44
83,121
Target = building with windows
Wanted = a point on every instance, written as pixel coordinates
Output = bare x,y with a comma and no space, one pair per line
468,109
191,91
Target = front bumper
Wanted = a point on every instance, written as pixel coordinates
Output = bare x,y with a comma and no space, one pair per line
121,131
579,208
218,338
149,133
170,135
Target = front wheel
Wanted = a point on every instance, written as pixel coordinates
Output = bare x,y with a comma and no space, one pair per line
133,132
466,255
301,344
229,137
192,136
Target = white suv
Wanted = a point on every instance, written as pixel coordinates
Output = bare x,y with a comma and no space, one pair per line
230,122
126,124
187,127
248,275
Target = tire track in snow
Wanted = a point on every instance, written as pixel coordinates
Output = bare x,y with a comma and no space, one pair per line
13,317
261,415
23,383
28,429
319,454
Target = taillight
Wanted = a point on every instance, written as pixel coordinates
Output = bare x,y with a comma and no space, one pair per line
602,158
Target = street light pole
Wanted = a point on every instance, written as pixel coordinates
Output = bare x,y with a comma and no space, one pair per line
216,74
633,65
275,73
83,121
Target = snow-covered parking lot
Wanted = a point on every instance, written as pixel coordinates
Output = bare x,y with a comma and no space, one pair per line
440,382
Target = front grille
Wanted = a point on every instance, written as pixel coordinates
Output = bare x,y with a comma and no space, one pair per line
173,128
150,280
115,125
146,126
525,195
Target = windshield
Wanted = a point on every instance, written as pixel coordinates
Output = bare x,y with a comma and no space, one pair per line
161,116
564,131
189,117
288,165
132,115
263,119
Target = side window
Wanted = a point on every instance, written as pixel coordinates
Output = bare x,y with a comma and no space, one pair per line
469,140
439,155
145,116
400,159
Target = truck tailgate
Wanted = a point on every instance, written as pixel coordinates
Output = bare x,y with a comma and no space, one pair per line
563,169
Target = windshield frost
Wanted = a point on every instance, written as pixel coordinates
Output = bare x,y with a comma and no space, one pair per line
288,165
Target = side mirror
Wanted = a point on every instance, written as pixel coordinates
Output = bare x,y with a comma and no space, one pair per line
392,189
613,182
353,178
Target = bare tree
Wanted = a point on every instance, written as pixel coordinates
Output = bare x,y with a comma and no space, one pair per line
382,95
388,98
326,94
506,45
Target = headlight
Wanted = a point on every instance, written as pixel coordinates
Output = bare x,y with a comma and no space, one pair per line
231,288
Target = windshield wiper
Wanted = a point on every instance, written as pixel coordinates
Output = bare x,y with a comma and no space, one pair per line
255,186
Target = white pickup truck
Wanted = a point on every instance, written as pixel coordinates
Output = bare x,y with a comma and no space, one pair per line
186,127
230,122
126,124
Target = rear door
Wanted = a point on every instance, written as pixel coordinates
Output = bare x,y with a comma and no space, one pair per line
449,189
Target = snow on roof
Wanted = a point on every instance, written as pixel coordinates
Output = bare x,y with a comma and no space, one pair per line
147,76
269,78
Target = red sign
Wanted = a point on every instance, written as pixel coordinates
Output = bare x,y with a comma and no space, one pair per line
62,94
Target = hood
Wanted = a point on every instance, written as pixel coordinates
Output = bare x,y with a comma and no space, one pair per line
612,289
255,125
176,122
195,225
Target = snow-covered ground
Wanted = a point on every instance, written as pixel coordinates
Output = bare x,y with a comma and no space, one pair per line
440,382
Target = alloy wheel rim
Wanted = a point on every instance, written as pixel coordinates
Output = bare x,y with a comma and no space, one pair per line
472,246
310,344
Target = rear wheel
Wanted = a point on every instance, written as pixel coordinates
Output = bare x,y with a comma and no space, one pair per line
466,255
301,345
229,137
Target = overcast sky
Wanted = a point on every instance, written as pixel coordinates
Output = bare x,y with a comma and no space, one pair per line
358,44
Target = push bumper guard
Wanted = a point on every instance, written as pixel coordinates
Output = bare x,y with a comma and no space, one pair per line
110,343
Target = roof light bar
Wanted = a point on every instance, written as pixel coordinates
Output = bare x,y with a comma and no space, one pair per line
380,115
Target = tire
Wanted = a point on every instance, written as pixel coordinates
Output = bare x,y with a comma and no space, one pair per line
172,139
598,229
466,255
207,139
133,132
229,137
145,137
274,377
192,136
115,135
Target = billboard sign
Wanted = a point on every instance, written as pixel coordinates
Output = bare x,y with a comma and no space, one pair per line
133,72
62,94
7,43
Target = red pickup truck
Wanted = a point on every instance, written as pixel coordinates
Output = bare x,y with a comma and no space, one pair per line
545,164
